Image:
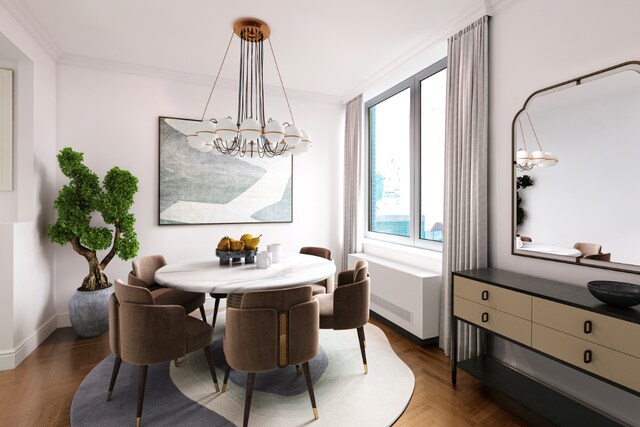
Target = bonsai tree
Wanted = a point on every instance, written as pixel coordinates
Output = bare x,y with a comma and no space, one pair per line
522,182
76,203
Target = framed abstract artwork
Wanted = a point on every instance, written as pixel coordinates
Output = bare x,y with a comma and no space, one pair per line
212,188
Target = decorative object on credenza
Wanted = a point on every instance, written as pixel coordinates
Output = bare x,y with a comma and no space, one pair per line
216,189
250,135
76,203
617,294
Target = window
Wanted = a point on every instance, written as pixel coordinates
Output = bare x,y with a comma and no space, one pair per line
406,128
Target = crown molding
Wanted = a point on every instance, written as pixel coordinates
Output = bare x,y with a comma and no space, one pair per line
24,18
485,7
181,76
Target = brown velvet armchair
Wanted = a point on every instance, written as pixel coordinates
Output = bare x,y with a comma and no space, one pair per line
143,333
324,286
588,248
348,306
271,329
142,275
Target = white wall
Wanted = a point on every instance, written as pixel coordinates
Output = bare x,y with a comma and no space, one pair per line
29,280
113,118
534,44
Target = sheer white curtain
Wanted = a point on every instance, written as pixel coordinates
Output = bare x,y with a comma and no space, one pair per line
465,236
353,159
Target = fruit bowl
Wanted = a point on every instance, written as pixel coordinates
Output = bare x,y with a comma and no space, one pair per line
228,257
617,294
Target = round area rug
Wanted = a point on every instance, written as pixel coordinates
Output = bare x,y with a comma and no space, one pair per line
184,396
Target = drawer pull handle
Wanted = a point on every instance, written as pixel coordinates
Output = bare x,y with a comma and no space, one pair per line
485,295
587,356
485,317
588,327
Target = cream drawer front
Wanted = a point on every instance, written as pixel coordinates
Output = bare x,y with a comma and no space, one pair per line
613,365
607,331
502,323
511,302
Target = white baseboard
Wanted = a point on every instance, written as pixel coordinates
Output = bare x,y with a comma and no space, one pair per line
12,358
63,321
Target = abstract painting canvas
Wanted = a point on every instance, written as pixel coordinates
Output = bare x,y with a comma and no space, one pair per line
212,188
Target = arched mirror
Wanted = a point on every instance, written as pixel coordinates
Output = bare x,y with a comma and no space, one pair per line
576,169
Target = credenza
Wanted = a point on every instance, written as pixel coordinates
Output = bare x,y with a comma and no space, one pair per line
557,320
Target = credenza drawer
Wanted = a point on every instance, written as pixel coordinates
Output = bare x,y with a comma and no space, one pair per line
511,302
597,328
599,360
497,321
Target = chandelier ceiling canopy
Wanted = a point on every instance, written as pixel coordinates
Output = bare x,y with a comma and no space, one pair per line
249,135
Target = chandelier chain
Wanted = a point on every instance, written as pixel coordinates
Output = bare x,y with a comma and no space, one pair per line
533,129
217,76
293,122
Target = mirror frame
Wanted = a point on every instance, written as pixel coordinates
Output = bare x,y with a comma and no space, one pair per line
627,268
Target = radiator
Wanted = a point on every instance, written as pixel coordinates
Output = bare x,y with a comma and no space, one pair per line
407,296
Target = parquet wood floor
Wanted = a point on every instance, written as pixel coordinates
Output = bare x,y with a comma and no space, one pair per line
39,391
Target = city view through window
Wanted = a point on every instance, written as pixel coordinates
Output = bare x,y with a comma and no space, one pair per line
390,161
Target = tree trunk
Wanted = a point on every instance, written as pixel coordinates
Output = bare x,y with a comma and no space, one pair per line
96,278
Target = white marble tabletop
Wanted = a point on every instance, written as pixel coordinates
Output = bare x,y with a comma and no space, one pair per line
550,249
207,275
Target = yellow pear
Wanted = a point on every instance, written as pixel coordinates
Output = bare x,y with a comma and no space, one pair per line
224,244
237,245
252,243
246,237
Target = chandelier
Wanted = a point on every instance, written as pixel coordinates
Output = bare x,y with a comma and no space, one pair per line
525,161
250,135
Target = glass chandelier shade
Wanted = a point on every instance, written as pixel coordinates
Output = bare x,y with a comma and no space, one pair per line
250,134
526,161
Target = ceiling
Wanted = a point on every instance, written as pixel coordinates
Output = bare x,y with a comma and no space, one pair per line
328,47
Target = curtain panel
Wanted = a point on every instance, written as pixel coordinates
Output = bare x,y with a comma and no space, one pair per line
353,167
466,146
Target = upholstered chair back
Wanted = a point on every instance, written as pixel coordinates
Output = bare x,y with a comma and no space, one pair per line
351,304
325,253
145,267
141,332
588,248
272,329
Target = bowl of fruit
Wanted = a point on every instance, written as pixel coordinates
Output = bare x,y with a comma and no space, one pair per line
230,250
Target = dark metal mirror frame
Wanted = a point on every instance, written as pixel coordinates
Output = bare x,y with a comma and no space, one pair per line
628,268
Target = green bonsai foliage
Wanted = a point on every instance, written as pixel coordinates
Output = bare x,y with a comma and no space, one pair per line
522,182
76,203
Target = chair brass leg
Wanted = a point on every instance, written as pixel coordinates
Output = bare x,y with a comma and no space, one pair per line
226,378
361,338
251,377
307,377
142,379
215,313
203,314
212,369
114,375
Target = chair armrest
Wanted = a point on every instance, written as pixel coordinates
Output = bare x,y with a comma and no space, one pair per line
304,331
251,339
135,281
345,277
351,305
151,333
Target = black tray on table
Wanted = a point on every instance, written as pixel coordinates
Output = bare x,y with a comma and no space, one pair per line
228,257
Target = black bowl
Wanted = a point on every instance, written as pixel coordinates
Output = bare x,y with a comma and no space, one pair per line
618,294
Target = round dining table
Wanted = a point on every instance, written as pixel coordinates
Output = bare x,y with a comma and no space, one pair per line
207,275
